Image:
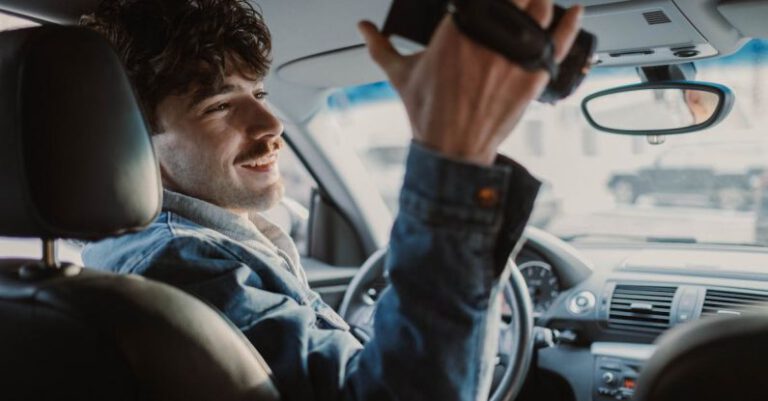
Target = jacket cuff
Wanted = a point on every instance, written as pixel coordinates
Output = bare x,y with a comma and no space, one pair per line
523,188
443,191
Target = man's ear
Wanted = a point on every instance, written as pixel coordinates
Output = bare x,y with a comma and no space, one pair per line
166,111
156,125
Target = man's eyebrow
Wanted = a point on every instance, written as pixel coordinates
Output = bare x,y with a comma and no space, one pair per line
205,92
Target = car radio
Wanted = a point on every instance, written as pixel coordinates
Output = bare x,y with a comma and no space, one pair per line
616,369
615,378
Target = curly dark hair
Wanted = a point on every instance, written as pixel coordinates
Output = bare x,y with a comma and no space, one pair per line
170,46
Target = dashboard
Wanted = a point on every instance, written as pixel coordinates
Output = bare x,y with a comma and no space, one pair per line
604,304
599,307
542,281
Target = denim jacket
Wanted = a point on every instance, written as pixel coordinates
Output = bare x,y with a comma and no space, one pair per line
435,330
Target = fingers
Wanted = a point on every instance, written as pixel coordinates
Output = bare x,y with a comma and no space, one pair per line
541,12
380,48
522,4
566,32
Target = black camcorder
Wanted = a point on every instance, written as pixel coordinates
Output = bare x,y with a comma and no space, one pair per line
504,28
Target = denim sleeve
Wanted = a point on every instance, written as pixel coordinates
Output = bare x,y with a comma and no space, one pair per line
434,333
433,329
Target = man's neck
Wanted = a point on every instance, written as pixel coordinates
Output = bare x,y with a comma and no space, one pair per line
239,212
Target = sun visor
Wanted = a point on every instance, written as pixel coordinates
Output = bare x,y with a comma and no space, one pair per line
749,16
344,67
635,32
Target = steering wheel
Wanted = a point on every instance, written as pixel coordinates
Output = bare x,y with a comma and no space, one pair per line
515,338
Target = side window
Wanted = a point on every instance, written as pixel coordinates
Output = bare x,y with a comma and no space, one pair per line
8,22
292,213
534,132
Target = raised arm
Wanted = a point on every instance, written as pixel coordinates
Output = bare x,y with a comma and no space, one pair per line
462,210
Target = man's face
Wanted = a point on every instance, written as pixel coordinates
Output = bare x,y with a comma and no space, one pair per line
221,144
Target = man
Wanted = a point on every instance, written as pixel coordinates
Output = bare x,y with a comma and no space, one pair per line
701,105
197,66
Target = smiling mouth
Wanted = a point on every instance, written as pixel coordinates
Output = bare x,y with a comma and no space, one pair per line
262,164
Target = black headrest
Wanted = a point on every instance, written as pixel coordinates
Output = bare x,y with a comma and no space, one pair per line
76,160
712,359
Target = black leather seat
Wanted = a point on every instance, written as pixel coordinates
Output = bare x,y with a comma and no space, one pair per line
714,359
76,162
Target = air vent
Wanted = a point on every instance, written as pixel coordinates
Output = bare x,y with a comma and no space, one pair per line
656,18
641,308
718,302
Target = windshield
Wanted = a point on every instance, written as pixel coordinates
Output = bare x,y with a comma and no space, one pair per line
701,187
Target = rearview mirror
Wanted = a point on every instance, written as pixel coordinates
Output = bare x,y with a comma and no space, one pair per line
650,109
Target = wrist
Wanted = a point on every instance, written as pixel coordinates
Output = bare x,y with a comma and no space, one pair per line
461,153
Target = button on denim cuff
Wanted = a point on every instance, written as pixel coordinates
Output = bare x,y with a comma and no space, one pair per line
446,191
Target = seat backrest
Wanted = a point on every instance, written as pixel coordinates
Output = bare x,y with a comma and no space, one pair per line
712,359
76,161
90,335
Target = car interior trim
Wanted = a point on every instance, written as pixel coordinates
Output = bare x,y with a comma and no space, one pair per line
639,352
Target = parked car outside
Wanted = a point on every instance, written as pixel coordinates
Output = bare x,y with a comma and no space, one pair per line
715,175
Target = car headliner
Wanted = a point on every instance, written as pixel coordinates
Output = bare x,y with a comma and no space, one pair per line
317,46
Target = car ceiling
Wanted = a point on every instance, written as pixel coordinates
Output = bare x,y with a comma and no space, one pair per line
316,44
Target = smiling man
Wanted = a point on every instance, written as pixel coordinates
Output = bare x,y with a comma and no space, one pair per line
198,66
200,156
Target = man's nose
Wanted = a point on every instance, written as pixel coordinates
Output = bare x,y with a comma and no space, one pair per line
260,121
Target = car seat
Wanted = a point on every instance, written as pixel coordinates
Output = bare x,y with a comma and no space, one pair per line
713,359
76,161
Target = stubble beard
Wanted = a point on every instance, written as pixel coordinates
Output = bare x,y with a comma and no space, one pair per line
263,200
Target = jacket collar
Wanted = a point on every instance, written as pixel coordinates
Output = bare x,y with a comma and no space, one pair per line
254,229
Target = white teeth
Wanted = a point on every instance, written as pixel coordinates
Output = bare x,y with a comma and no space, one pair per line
262,161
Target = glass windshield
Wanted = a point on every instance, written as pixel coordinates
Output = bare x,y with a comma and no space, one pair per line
703,187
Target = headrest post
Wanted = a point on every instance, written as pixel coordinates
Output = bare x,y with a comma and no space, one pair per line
50,253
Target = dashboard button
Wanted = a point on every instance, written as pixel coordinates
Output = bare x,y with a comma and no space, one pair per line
582,302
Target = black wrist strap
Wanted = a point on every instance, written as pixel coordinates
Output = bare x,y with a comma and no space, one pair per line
504,28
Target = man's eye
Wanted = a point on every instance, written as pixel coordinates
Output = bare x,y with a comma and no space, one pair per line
217,108
261,95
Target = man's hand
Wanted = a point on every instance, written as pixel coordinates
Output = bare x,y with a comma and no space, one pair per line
462,98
